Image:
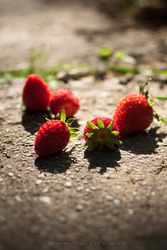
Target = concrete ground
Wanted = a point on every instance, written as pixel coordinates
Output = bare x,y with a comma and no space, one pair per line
79,199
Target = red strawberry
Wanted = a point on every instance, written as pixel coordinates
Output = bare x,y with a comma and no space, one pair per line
100,132
134,113
64,99
36,93
53,136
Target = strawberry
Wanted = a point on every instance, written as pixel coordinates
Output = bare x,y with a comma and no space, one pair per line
36,93
64,99
100,132
134,113
53,136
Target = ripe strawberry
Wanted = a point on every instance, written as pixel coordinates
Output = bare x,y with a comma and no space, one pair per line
36,93
53,136
134,113
64,99
100,132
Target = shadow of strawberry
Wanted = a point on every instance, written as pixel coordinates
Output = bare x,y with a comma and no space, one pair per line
105,159
145,142
56,163
32,121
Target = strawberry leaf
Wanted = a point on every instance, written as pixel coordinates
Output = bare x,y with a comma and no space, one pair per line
63,116
151,102
100,123
73,135
70,121
89,134
162,119
73,130
92,125
161,98
93,146
57,117
110,145
159,117
88,143
48,120
110,126
116,141
114,133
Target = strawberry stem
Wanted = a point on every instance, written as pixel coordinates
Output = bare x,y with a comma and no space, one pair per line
151,102
142,87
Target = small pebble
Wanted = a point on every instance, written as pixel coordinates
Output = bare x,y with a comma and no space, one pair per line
117,202
41,176
45,199
68,184
18,198
62,219
109,197
9,166
130,211
80,188
10,174
38,182
79,208
46,190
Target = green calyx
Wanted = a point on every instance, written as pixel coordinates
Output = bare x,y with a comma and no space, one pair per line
101,136
62,117
147,94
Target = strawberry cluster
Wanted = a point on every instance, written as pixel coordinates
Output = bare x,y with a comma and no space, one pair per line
133,114
54,135
37,96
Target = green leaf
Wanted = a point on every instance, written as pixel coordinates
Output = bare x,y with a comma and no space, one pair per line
70,121
151,102
124,57
92,125
110,145
161,98
88,143
120,54
89,134
73,130
100,123
73,135
48,120
162,119
105,53
125,70
116,141
163,72
57,117
63,116
159,117
110,126
114,133
93,146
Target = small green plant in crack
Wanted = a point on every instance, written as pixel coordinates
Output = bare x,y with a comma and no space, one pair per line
118,61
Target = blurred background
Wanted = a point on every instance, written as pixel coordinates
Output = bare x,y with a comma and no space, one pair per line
50,32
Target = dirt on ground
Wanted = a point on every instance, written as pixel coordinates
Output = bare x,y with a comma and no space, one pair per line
79,199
